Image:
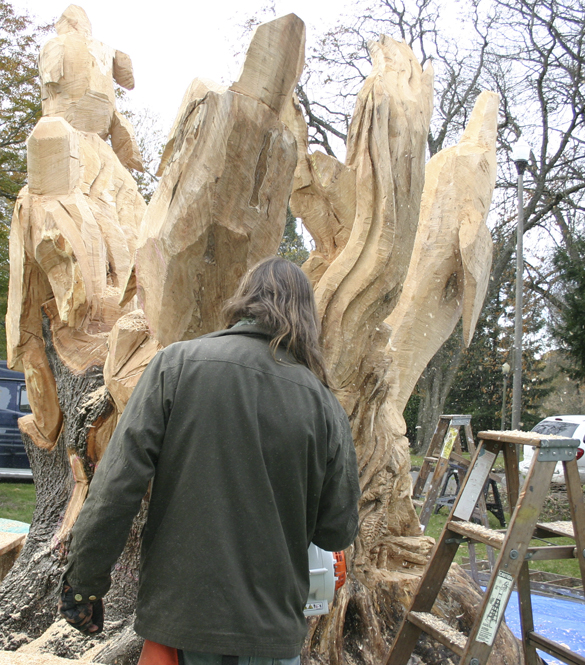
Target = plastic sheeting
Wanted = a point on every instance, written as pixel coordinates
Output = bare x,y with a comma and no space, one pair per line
12,526
562,621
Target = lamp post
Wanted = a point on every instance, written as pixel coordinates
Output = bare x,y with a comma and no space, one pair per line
520,156
505,371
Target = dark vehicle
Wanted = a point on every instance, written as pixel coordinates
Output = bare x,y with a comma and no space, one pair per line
13,404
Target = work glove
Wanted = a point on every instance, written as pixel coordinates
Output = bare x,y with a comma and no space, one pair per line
85,615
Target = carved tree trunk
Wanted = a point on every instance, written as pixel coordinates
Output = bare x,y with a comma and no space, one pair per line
364,294
389,257
81,248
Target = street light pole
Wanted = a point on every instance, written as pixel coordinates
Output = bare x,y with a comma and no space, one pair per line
520,155
505,371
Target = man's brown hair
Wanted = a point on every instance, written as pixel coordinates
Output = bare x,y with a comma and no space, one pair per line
278,296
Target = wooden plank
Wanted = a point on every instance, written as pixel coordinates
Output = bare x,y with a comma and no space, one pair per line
554,530
511,559
433,493
555,649
526,615
469,438
459,459
439,630
512,473
472,489
520,438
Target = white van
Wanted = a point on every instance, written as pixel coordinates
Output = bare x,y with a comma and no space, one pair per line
572,427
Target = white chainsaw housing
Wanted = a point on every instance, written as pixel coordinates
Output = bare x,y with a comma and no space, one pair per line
322,579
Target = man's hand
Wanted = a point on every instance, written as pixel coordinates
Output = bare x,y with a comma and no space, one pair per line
87,616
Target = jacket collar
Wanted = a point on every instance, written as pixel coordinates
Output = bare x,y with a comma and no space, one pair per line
246,329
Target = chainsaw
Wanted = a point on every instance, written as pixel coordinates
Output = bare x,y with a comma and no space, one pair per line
327,573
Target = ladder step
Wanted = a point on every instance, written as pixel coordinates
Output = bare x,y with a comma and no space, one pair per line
478,533
552,529
431,459
439,630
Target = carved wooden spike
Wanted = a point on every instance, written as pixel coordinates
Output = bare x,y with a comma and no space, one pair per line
386,148
124,142
131,348
195,94
458,190
274,62
221,203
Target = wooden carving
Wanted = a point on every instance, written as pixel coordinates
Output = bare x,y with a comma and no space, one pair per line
99,283
77,83
364,216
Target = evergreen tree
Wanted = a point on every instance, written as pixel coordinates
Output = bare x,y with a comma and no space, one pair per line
478,386
568,328
292,246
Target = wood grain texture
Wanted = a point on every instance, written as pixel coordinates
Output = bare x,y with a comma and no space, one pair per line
451,259
221,203
77,83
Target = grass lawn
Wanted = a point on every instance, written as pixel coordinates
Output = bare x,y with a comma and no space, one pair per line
17,501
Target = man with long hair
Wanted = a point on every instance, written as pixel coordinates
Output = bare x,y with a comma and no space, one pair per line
252,460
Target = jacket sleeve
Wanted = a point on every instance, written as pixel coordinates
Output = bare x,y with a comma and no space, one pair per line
337,519
120,482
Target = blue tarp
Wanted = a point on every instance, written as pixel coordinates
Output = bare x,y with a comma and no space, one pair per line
12,526
562,621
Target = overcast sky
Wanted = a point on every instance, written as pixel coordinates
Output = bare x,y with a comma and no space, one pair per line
171,42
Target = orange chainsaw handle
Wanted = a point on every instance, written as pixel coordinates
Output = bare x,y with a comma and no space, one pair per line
340,569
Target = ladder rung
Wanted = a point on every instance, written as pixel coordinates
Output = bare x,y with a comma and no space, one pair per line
431,459
417,504
478,533
555,649
551,552
439,630
552,529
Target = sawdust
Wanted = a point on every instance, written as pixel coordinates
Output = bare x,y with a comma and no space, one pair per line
14,658
430,620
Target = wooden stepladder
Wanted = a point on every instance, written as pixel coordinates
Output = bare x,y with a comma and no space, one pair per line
512,564
445,444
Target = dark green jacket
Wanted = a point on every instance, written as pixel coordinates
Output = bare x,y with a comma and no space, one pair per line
252,460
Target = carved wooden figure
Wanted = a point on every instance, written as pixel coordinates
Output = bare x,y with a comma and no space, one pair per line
77,83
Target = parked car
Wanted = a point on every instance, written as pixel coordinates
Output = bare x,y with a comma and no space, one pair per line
13,404
572,427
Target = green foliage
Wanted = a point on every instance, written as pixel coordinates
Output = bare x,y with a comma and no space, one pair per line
292,246
478,386
568,328
20,103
